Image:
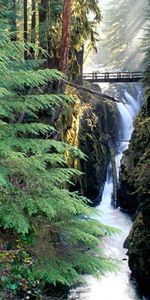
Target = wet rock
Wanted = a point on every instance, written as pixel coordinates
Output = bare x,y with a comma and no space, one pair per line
98,130
139,251
126,244
127,201
92,125
134,194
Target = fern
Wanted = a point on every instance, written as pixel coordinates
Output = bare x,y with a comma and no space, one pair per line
34,175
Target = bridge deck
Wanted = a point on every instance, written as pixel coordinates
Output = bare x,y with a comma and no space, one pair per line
113,77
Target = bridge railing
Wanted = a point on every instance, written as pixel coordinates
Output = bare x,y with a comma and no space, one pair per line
111,75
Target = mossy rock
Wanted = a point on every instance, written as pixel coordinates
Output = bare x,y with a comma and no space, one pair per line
139,250
135,194
91,124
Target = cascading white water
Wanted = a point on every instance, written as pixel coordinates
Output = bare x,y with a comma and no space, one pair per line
114,286
119,286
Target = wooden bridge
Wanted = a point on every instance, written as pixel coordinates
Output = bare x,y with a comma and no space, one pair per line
113,77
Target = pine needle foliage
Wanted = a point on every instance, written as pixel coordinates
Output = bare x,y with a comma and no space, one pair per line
34,199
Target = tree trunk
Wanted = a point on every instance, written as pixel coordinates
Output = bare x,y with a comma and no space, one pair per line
66,32
14,21
48,35
35,29
43,24
33,24
25,26
42,11
80,61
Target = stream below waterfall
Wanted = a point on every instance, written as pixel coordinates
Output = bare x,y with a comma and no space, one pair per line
114,286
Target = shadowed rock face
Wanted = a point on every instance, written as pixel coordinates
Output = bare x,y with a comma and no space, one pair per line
97,135
125,197
134,193
92,125
139,249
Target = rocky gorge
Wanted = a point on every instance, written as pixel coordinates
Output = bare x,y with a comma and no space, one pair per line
133,195
75,156
92,125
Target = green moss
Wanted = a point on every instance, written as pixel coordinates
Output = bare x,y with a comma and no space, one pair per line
139,247
135,175
97,135
92,125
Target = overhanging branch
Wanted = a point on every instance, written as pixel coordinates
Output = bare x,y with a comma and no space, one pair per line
80,87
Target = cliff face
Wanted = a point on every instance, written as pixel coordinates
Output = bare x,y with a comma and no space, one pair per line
134,195
139,247
92,125
98,132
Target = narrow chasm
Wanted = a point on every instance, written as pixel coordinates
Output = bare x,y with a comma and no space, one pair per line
113,214
74,150
134,195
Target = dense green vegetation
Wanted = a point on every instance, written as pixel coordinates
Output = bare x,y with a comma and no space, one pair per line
135,176
48,234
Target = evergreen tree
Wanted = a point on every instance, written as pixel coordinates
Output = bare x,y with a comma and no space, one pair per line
66,33
34,199
82,28
85,17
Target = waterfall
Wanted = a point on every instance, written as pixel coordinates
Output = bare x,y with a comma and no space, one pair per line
128,110
114,286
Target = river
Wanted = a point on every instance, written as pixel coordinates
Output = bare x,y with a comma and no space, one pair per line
114,286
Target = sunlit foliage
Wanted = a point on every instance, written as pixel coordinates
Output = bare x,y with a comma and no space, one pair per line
58,228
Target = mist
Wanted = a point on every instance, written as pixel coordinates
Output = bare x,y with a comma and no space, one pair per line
120,36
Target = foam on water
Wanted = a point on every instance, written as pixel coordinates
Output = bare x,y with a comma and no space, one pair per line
114,286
